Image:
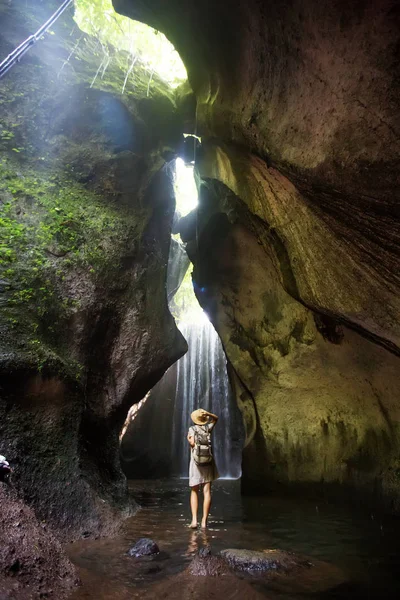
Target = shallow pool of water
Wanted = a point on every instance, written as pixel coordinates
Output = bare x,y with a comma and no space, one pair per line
362,545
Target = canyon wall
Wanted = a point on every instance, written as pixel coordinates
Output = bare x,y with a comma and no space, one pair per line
87,207
319,400
297,261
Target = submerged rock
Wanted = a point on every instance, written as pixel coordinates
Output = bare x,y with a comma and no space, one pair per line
267,560
144,547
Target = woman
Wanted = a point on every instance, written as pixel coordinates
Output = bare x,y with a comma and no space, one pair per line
201,475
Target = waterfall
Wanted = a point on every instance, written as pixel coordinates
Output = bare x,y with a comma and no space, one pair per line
201,376
202,382
155,442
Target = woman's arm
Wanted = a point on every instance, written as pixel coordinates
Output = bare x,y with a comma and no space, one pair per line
211,415
190,439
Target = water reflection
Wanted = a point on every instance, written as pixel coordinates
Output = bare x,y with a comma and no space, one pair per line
364,550
198,539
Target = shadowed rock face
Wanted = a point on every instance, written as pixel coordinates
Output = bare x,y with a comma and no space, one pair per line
298,109
87,207
311,87
297,106
311,93
32,562
319,401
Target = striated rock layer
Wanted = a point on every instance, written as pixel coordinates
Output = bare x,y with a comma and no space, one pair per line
319,400
311,93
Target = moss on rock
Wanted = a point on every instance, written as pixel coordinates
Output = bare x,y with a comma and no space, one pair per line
86,205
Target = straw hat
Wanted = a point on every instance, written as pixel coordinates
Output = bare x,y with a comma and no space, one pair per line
198,418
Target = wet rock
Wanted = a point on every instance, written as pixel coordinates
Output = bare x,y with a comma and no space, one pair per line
268,560
33,563
153,570
283,358
178,264
205,564
323,208
144,547
86,534
102,323
314,141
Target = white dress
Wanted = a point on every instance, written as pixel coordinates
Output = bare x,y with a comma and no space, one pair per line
206,473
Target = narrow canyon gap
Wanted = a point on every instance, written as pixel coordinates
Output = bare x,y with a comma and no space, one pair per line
155,445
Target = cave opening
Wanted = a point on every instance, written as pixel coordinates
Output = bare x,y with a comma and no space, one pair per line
152,446
129,43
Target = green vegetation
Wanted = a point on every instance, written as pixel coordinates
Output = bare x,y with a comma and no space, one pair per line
65,221
184,306
53,232
156,53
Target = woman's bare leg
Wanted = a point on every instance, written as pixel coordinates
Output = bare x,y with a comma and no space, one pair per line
206,503
194,504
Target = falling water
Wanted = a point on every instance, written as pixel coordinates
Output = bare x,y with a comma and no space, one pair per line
159,447
201,375
202,382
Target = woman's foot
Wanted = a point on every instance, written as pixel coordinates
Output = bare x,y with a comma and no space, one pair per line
193,525
204,524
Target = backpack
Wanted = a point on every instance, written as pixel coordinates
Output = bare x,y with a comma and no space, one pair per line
202,452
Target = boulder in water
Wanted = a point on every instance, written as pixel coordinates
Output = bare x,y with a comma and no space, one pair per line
144,547
268,560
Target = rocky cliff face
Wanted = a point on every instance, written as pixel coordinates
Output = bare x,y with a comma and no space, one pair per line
87,207
32,562
298,109
319,400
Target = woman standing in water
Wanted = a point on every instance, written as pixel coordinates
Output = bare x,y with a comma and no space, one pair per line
201,474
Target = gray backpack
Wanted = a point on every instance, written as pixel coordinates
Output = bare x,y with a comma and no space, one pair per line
202,452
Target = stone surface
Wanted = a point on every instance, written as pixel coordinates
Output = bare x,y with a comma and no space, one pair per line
178,264
144,547
322,262
205,564
312,89
268,560
319,401
87,207
32,562
298,110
